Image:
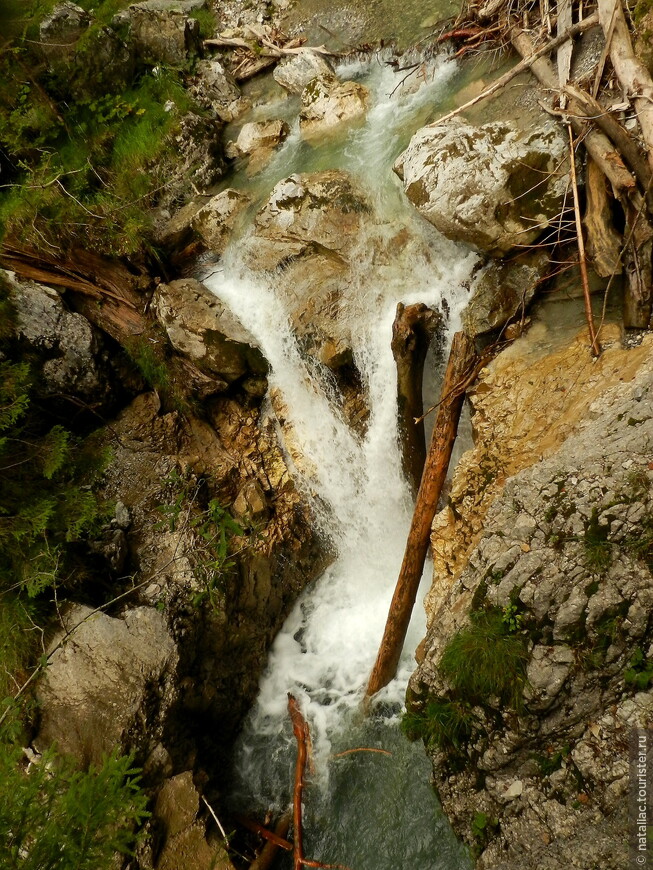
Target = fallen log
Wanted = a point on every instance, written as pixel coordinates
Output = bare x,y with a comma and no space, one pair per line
597,143
594,341
279,840
413,328
300,730
631,72
461,359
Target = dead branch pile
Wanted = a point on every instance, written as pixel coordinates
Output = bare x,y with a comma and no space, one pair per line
609,113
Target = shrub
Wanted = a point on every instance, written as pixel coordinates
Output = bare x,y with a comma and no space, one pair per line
486,659
54,817
443,723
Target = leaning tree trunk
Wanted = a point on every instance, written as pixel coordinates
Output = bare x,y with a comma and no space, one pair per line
461,358
412,331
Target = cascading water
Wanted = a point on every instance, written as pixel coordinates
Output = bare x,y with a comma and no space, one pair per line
366,810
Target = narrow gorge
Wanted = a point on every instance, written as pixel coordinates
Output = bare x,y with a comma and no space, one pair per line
237,242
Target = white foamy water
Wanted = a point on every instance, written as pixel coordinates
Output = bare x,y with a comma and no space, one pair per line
326,649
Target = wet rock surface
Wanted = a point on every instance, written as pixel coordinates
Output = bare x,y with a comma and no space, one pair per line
327,104
215,221
295,73
493,186
565,553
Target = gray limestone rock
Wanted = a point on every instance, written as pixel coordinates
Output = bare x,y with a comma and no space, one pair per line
162,31
327,104
200,326
295,73
215,221
492,186
94,692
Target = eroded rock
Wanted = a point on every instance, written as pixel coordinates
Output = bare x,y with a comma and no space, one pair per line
215,221
199,325
216,88
94,692
493,186
258,141
327,104
60,30
295,73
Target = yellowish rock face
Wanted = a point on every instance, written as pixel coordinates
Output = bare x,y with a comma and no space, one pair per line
525,404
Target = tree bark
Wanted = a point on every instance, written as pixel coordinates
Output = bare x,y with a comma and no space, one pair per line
461,359
604,242
412,331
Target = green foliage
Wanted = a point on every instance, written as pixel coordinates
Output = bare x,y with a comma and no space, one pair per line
18,640
89,153
485,659
512,618
213,529
54,817
639,673
207,22
442,723
150,363
45,500
483,828
598,550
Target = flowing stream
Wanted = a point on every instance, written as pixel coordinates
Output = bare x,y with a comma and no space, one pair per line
362,809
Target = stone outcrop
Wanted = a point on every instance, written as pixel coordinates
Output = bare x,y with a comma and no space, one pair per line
162,31
503,290
493,186
199,326
296,72
185,847
564,559
216,89
70,346
60,30
327,104
96,689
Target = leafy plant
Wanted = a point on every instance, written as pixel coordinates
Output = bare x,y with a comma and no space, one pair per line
55,817
639,673
483,828
213,528
486,659
512,618
443,723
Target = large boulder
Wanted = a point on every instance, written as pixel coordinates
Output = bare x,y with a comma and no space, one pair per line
305,236
61,29
215,221
327,104
104,681
200,326
258,140
296,72
503,290
493,186
65,340
162,31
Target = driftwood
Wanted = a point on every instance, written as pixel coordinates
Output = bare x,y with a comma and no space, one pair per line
638,300
279,840
524,64
412,331
582,260
461,359
631,72
300,730
603,241
599,146
269,852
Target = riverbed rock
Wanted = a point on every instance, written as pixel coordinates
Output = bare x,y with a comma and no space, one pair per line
215,88
198,142
563,558
503,290
162,31
215,221
95,690
327,104
305,237
200,326
258,141
296,72
493,186
69,346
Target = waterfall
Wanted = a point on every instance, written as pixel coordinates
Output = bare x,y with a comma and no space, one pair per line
355,486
